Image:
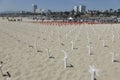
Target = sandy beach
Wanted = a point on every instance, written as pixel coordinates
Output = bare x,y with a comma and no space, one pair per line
24,45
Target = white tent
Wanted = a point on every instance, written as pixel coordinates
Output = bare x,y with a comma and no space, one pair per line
70,18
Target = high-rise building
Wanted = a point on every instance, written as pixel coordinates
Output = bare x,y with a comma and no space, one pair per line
76,8
34,8
82,8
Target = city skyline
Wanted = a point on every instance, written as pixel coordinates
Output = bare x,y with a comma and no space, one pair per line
57,5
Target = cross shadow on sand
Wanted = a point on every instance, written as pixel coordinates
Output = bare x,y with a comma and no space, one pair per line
106,46
117,61
51,57
70,66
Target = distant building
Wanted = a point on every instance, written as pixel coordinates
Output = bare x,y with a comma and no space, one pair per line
80,8
76,8
34,8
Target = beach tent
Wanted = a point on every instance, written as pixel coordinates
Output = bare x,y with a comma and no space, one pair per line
70,18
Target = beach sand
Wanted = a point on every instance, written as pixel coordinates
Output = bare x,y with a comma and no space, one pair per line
23,51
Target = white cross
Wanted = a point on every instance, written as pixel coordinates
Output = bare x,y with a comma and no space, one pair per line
93,71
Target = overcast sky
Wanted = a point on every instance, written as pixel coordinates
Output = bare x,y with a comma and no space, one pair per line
57,5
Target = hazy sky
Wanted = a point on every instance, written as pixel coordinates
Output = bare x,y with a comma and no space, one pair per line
16,5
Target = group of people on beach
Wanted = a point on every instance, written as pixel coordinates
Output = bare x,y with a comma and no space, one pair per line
13,19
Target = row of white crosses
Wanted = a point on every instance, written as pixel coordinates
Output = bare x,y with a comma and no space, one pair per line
93,71
7,75
114,55
103,43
